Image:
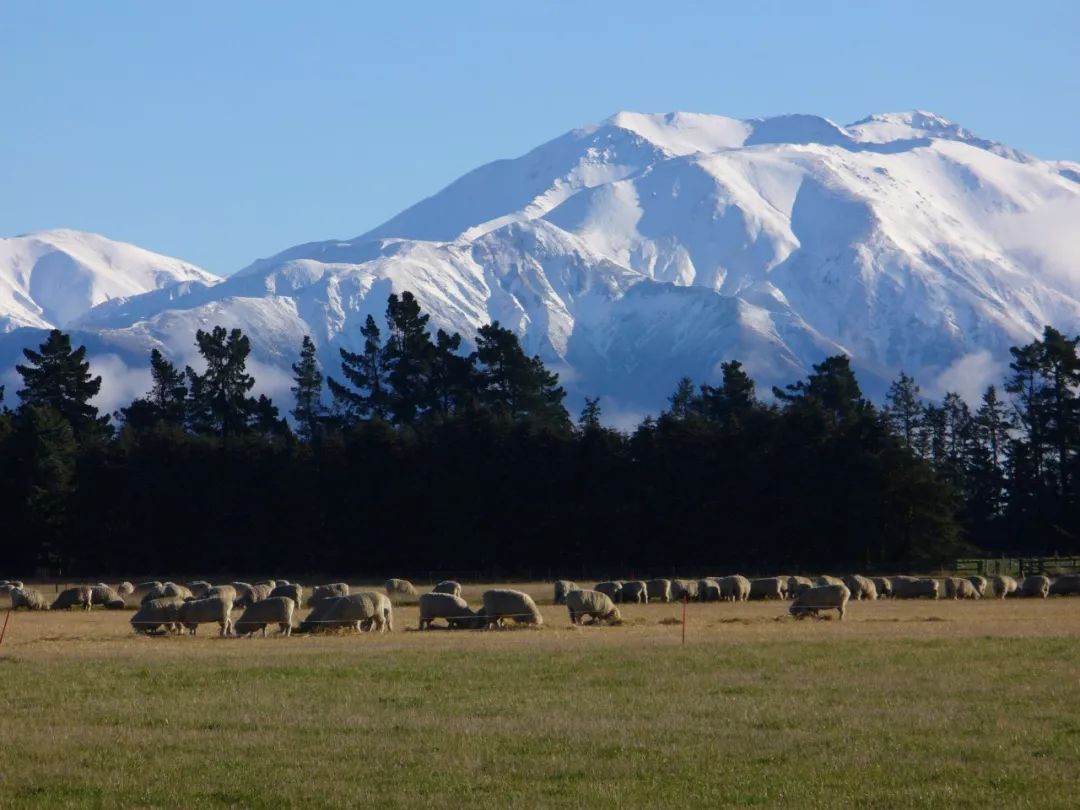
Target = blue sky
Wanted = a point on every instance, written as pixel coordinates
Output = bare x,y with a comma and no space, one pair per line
220,132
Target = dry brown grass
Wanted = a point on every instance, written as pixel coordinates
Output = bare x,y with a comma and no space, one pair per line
902,704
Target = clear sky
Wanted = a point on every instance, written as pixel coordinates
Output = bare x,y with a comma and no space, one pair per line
220,132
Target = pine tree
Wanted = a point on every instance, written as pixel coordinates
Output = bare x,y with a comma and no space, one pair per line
514,385
452,376
831,390
590,414
166,402
366,372
219,401
309,412
903,411
58,377
409,354
733,400
683,399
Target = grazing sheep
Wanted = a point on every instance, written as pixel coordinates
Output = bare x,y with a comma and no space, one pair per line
1066,585
212,609
735,588
883,586
767,588
905,587
157,615
199,588
5,595
272,610
503,603
294,592
252,594
270,583
226,592
447,606
1003,585
683,589
594,604
613,589
399,587
979,583
1037,585
861,587
79,596
797,584
125,589
659,589
821,597
963,589
825,579
28,598
635,591
708,590
321,592
949,586
102,594
142,590
562,588
355,610
448,586
172,589
11,583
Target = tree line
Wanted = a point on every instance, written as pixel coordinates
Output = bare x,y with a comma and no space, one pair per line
414,455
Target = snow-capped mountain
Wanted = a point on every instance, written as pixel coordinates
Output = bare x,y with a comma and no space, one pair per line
50,278
646,247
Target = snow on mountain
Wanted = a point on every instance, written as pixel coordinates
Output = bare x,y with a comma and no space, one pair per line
646,247
50,278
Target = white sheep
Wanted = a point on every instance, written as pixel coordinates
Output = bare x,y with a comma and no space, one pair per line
321,592
979,583
905,587
448,586
594,604
797,584
504,603
1066,585
272,610
79,596
1003,585
861,587
359,610
102,594
613,589
562,588
290,591
635,591
735,588
399,587
199,588
447,606
821,597
28,598
709,590
211,610
157,614
825,579
767,588
253,594
659,589
883,585
1036,585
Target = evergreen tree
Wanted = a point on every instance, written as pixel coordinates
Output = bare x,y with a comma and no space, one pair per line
219,403
683,400
58,377
453,376
409,355
514,385
831,390
590,414
309,412
903,411
166,402
366,371
733,400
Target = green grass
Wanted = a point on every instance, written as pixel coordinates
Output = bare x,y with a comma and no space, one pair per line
900,722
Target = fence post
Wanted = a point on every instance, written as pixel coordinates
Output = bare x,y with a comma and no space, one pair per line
3,631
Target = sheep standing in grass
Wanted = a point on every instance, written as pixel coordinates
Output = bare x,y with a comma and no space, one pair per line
294,592
365,608
562,588
659,589
963,589
172,589
797,584
321,592
272,610
211,610
708,590
125,589
613,588
79,596
28,598
735,588
979,583
199,588
883,585
1066,585
448,586
226,592
767,588
635,591
400,588
905,587
821,597
142,591
253,594
594,604
1037,586
157,615
861,587
1003,585
447,606
504,603
825,579
683,589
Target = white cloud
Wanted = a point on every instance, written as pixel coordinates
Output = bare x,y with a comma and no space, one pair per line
968,376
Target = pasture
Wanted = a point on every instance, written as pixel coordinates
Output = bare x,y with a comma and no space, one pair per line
902,704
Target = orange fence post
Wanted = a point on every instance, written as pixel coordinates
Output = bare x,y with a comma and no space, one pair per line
3,631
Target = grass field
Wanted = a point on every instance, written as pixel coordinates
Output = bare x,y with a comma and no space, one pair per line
903,704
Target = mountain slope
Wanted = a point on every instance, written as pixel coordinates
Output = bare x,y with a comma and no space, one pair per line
649,246
51,278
